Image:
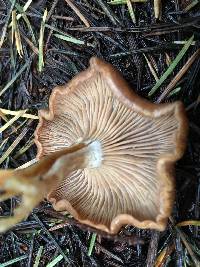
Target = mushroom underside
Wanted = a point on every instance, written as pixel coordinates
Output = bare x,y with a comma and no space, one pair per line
127,180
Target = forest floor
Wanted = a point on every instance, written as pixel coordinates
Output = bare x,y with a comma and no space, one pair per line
49,43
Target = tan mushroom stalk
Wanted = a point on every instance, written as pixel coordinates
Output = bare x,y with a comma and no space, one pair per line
35,182
124,168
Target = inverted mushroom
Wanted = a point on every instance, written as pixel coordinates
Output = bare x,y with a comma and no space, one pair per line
136,145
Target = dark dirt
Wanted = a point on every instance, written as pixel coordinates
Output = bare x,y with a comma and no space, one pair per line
114,37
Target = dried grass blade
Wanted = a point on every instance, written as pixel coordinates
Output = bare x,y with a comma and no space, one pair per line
16,34
27,164
26,6
161,257
165,253
157,8
151,68
23,115
172,66
24,16
187,223
10,122
3,116
13,145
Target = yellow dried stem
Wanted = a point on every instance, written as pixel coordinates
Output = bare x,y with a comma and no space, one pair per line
36,181
157,8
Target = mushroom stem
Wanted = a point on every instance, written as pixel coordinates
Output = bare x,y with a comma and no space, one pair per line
36,181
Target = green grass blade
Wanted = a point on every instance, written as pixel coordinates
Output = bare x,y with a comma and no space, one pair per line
122,2
131,11
15,77
55,261
38,257
11,262
41,43
92,244
175,91
69,39
172,66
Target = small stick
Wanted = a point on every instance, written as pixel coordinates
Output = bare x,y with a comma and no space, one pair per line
178,76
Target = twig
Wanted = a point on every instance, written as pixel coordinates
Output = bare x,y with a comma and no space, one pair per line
152,251
78,13
178,76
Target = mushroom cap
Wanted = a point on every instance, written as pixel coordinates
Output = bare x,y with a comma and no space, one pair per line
138,142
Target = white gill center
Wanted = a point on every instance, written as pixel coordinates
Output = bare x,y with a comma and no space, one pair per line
95,155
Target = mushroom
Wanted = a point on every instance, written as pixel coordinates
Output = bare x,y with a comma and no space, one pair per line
125,146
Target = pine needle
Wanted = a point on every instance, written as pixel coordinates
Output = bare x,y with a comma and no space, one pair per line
41,42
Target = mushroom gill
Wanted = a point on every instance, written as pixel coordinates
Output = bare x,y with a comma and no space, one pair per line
136,145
